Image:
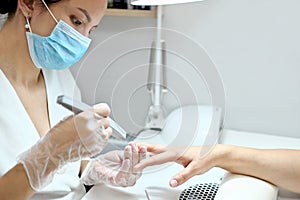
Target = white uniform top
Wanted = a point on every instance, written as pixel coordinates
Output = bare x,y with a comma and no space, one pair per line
18,133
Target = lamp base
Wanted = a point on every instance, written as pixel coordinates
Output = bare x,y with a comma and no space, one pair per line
156,118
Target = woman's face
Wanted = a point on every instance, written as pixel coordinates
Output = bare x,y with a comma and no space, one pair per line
83,15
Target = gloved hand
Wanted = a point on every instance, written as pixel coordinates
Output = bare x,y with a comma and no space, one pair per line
115,167
74,138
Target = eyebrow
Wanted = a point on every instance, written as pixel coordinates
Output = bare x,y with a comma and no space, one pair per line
85,12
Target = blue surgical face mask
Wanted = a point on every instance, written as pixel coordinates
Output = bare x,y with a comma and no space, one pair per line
63,48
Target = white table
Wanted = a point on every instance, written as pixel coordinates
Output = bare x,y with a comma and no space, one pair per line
159,177
180,127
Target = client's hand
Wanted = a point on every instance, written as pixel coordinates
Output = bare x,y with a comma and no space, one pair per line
115,167
195,160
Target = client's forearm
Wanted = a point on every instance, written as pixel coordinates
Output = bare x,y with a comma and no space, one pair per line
278,166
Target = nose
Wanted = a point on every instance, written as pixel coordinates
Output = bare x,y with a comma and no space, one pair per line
86,33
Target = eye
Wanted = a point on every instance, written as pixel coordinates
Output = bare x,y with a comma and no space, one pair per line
76,21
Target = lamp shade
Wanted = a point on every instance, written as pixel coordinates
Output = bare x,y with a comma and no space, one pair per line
160,2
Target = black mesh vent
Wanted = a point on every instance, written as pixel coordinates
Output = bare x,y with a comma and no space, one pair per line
204,191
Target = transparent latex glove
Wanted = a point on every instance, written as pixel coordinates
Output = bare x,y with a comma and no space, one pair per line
115,167
74,138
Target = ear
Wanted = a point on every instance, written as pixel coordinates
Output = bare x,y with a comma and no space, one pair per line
26,7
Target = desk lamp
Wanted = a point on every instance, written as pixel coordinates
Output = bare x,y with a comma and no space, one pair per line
157,84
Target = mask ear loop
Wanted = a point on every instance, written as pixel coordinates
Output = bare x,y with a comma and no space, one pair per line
50,11
27,26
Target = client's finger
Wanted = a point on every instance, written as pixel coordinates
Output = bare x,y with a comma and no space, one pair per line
154,160
182,176
154,148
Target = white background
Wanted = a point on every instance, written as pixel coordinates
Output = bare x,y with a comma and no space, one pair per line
254,44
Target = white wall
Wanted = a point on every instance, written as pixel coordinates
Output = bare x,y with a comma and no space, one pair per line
255,45
97,78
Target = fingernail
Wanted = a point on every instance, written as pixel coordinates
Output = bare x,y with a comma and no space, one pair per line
173,183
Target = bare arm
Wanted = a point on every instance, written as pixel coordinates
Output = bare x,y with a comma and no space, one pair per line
280,167
15,185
